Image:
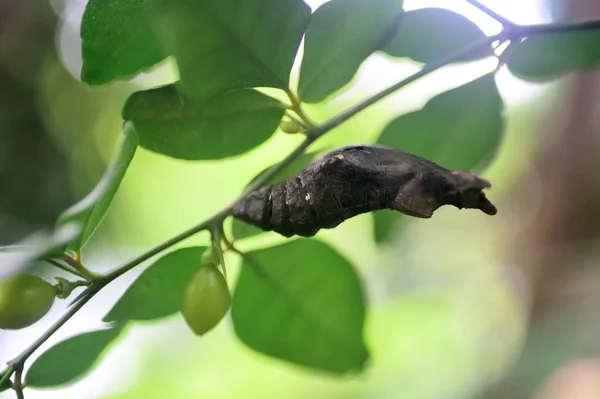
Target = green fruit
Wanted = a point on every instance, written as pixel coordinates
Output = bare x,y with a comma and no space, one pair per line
24,299
206,300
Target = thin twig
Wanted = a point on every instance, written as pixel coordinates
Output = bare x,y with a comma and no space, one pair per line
505,22
206,225
65,268
558,27
427,69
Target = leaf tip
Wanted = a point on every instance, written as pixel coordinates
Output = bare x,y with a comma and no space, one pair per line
89,76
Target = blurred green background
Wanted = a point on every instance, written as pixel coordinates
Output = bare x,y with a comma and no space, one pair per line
446,295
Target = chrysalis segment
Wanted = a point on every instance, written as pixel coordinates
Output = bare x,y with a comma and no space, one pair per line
358,179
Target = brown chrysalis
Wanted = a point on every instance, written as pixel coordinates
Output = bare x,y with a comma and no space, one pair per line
357,179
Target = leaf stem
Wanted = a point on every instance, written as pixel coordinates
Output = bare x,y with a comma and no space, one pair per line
216,236
505,22
296,106
75,263
64,268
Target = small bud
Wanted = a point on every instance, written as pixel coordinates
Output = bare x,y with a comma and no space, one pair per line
291,127
64,287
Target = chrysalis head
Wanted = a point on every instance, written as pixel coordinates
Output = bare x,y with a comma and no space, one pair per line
469,192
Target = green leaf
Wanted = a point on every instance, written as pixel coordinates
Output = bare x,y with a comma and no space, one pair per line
547,57
6,384
118,40
90,210
385,223
242,230
340,36
157,292
222,45
302,302
226,125
70,359
430,34
458,129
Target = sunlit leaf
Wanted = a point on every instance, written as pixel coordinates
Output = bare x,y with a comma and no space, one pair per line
302,302
226,125
340,36
430,34
242,230
90,210
157,292
222,45
458,129
547,57
70,359
118,41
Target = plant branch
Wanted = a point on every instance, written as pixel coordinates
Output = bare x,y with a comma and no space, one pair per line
19,361
208,224
312,134
505,22
558,27
518,32
426,70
